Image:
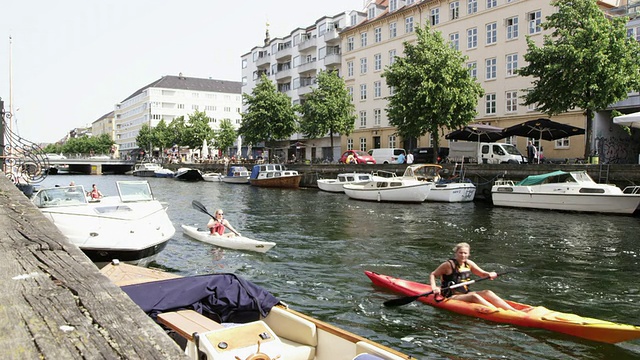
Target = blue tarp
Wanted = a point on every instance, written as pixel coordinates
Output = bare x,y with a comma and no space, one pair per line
226,297
538,179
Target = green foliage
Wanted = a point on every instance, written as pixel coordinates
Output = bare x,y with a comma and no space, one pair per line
177,130
269,116
197,130
328,108
587,62
225,137
145,138
85,145
161,136
433,88
53,148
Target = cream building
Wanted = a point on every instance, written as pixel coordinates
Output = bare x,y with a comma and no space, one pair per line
104,125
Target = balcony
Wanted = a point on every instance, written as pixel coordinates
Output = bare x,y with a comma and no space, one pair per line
308,44
283,74
332,60
263,61
284,53
331,36
308,66
303,90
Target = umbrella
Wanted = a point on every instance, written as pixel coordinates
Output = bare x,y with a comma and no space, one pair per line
543,129
205,149
477,132
632,120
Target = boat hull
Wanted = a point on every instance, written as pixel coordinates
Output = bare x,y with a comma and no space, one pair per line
236,179
289,182
235,242
452,192
336,185
414,193
188,175
529,316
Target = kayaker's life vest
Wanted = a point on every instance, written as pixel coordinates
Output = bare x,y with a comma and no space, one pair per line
217,228
461,273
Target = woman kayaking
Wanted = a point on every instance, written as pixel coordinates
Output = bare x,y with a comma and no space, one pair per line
218,224
458,270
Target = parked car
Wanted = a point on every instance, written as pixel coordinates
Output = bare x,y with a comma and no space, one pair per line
386,155
424,155
55,156
361,157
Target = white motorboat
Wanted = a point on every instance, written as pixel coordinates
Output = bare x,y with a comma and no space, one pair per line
442,190
188,174
335,185
229,242
391,189
164,173
569,191
131,227
212,177
256,325
146,169
237,175
275,176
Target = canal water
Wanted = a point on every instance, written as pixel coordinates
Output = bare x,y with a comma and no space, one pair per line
585,264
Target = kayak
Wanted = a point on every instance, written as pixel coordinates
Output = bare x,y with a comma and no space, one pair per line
528,316
235,242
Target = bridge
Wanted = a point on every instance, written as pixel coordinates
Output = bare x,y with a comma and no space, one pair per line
91,166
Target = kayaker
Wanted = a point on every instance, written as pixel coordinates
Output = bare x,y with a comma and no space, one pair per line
218,224
458,270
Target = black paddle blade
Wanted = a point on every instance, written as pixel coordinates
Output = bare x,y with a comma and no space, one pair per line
198,206
401,301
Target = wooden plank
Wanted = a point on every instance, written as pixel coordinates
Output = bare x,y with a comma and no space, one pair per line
54,301
188,322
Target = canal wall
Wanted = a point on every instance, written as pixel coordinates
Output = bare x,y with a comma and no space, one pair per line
55,304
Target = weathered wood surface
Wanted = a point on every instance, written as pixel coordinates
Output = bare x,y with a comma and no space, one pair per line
54,302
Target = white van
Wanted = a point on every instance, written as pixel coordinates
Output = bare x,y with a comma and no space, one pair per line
488,153
386,155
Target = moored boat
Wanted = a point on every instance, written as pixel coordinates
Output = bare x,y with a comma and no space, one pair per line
212,177
335,185
391,189
229,242
164,173
237,175
527,316
442,190
146,169
274,176
188,174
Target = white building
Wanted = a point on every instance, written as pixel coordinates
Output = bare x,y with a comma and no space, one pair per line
173,96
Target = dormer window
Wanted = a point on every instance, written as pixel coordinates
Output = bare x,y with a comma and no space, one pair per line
371,13
393,5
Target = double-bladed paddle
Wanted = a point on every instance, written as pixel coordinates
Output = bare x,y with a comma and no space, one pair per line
198,206
409,299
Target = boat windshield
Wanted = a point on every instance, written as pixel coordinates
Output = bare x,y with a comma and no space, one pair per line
134,191
60,196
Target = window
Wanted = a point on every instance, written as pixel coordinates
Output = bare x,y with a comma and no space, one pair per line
472,6
350,43
511,98
490,104
535,19
363,65
377,62
363,39
377,89
491,71
531,107
349,68
393,5
492,33
371,13
377,34
393,31
392,56
562,143
435,16
363,144
244,63
473,69
349,144
512,64
512,28
363,91
454,10
180,106
472,38
377,116
363,118
408,24
492,3
392,141
194,107
350,92
455,40
354,19
409,2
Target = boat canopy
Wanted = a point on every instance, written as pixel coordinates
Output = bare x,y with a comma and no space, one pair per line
539,179
236,169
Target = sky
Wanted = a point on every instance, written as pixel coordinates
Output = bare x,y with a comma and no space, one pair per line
66,63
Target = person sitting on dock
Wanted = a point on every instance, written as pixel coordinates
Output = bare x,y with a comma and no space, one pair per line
458,270
218,223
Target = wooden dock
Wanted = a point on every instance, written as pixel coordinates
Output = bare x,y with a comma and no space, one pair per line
55,304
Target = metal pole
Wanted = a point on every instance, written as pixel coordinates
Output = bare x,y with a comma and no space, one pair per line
150,144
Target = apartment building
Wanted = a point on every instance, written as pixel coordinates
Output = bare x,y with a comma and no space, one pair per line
104,125
173,96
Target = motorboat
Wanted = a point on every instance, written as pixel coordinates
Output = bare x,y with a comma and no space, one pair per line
274,176
389,189
450,189
132,226
568,191
229,242
335,185
188,174
212,177
237,175
237,319
146,169
164,173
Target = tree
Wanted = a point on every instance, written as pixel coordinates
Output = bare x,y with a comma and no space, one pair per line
160,136
224,138
145,138
432,88
269,116
587,62
197,130
177,131
328,109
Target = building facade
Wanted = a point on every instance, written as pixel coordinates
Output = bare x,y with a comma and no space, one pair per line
104,125
173,96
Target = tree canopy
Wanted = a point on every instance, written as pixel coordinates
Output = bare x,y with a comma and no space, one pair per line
588,62
328,108
225,137
432,88
83,145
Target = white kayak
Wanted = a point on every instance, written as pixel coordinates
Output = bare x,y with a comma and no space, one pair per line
235,242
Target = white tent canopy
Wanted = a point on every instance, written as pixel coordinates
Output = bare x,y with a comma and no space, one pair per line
632,120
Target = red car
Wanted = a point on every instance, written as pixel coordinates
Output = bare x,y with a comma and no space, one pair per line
360,157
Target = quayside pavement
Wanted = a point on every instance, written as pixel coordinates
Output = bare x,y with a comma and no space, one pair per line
55,304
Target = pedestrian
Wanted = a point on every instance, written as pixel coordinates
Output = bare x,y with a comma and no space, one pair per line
401,158
531,152
410,158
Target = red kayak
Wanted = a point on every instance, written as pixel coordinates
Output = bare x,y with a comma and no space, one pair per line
528,316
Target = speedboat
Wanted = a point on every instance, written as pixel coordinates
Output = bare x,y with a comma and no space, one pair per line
146,169
164,173
389,189
442,190
237,175
188,174
568,191
275,176
237,319
132,227
212,177
335,185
